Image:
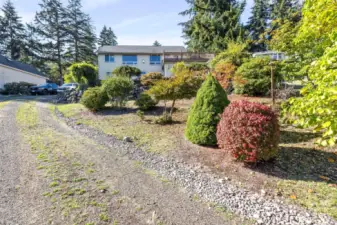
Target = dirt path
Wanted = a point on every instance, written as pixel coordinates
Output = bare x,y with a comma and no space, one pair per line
52,175
21,201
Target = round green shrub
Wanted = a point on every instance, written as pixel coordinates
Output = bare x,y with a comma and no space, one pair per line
145,102
94,99
205,113
118,89
253,77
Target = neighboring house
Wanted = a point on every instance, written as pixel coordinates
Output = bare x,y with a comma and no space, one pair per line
13,71
273,55
146,58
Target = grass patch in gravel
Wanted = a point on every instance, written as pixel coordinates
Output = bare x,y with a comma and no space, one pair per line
70,188
70,110
318,196
152,137
3,104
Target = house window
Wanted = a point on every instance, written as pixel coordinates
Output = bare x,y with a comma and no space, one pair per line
129,59
155,60
109,58
108,73
143,73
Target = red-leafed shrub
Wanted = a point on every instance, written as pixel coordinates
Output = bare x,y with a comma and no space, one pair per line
249,131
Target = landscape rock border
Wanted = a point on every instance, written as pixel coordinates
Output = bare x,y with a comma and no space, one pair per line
209,187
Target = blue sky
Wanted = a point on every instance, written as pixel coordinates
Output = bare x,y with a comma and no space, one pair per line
135,22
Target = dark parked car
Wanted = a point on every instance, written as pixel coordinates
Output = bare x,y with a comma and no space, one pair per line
45,89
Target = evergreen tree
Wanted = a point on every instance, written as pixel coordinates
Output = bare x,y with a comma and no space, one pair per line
11,32
51,25
283,9
212,24
205,113
107,37
156,43
258,25
82,39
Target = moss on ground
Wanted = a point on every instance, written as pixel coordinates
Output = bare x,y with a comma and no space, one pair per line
3,104
70,186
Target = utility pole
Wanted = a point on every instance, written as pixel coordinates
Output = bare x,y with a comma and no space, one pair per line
272,66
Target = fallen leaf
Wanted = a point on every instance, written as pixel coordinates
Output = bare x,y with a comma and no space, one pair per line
310,191
331,160
332,185
324,178
293,197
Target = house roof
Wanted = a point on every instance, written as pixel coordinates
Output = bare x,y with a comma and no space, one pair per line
20,66
140,49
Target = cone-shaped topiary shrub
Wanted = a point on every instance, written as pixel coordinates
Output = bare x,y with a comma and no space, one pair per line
250,131
205,113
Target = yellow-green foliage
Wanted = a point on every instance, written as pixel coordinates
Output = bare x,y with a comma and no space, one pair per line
82,73
204,116
317,108
151,78
94,99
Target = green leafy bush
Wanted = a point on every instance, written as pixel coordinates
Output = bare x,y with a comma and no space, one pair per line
82,73
126,71
150,78
16,88
236,54
253,77
140,114
145,102
249,131
205,113
183,85
118,89
94,99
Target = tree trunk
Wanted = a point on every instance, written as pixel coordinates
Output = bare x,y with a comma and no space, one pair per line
172,107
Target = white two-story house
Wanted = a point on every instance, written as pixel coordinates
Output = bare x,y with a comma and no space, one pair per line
146,58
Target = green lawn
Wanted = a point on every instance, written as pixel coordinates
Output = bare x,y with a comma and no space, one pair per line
298,159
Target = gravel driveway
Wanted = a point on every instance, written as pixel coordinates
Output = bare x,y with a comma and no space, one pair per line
50,174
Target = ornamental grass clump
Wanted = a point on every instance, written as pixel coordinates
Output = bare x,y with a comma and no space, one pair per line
205,113
249,131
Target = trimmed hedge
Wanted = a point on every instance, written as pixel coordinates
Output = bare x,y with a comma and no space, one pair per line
94,99
205,113
249,131
16,88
